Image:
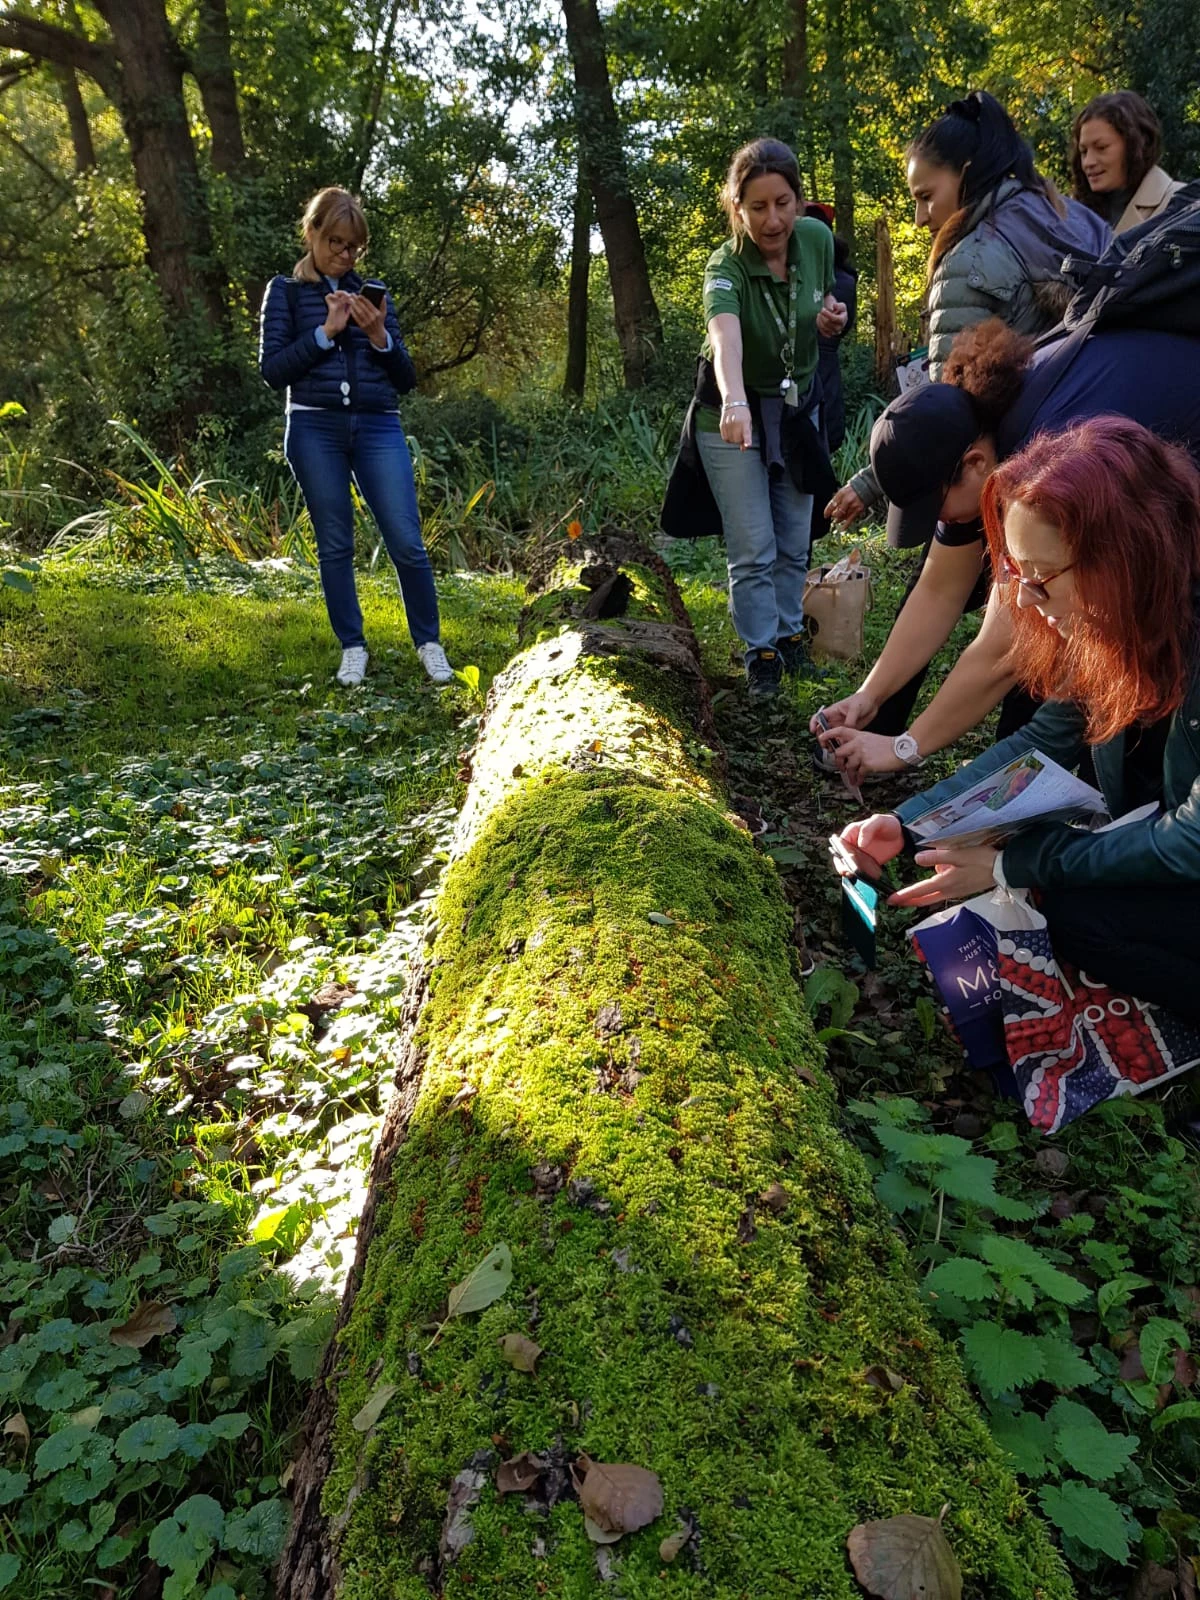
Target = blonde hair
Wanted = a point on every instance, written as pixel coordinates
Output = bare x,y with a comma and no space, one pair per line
328,209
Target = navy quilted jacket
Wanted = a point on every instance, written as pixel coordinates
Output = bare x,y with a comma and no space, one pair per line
352,374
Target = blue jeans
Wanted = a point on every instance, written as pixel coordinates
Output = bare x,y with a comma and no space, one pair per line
768,532
325,449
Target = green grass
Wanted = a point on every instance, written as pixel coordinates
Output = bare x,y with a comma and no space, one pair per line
214,867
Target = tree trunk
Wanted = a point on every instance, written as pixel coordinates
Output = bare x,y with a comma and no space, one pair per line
577,293
639,327
77,117
179,245
794,78
613,1087
841,146
212,68
380,68
885,310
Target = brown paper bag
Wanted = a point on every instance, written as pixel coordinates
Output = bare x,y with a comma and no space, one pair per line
836,601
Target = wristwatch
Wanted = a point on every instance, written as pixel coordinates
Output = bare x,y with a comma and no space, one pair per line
905,748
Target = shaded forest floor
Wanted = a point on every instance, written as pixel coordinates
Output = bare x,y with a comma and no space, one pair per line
214,867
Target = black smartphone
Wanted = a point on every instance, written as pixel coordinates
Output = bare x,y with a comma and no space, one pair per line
854,790
373,291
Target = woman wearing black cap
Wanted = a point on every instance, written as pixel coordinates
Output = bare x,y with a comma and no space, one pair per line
933,450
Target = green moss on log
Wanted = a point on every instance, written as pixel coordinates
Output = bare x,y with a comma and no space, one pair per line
666,1074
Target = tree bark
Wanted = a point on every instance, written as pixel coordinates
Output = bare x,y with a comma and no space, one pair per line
141,70
885,309
794,78
639,327
77,117
212,68
375,98
839,123
577,292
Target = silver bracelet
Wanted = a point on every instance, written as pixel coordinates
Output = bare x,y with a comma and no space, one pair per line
735,405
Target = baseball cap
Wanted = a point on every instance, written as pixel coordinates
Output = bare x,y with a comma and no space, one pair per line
916,446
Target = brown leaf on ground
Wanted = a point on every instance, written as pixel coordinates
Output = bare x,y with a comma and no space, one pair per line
17,1428
905,1558
617,1497
1186,1370
1132,1370
884,1378
746,1229
148,1320
674,1542
1052,1163
520,1473
520,1352
465,1490
775,1199
1152,1582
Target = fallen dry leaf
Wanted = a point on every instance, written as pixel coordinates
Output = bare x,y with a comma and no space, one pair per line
366,1418
884,1378
147,1322
18,1428
746,1229
599,1535
457,1531
520,1473
618,1498
905,1558
674,1543
520,1352
483,1284
775,1199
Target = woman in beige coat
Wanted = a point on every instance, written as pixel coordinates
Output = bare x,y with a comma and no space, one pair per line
1115,144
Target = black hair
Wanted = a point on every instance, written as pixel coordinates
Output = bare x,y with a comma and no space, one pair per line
978,139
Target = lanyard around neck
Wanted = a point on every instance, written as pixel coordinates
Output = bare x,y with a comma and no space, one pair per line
787,351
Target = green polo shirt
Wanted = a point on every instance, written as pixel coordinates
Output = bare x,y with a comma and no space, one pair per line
733,284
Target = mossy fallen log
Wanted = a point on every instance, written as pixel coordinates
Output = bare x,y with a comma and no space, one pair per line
612,1074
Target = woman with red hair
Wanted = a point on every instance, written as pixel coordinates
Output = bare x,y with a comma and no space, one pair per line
1095,537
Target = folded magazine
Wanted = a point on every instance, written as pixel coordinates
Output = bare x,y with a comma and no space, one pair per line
1031,788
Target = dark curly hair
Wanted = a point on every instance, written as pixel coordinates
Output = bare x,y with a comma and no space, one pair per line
1128,115
989,361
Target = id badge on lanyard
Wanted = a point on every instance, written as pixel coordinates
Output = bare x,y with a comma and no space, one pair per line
788,387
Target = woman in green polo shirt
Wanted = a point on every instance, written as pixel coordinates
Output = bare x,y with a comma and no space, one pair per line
767,294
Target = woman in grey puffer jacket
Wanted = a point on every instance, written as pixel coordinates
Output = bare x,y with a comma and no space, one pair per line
1000,232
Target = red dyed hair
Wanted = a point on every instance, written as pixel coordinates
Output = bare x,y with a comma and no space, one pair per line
1127,506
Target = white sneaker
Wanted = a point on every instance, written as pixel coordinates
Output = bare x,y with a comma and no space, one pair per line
433,659
354,666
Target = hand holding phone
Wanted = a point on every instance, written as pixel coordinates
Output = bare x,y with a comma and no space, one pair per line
374,291
823,723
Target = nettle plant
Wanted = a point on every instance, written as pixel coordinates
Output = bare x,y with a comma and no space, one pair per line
1081,1387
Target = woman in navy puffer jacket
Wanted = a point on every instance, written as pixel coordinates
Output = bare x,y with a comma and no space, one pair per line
343,363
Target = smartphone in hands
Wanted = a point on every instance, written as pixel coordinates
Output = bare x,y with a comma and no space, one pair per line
854,790
860,897
374,291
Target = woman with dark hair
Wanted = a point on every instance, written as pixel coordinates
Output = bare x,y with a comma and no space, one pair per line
338,353
754,422
1116,141
1000,232
933,451
1095,533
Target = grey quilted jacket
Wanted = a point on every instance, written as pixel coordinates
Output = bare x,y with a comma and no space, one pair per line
1006,266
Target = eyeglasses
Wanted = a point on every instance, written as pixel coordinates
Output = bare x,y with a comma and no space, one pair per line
342,247
1035,588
